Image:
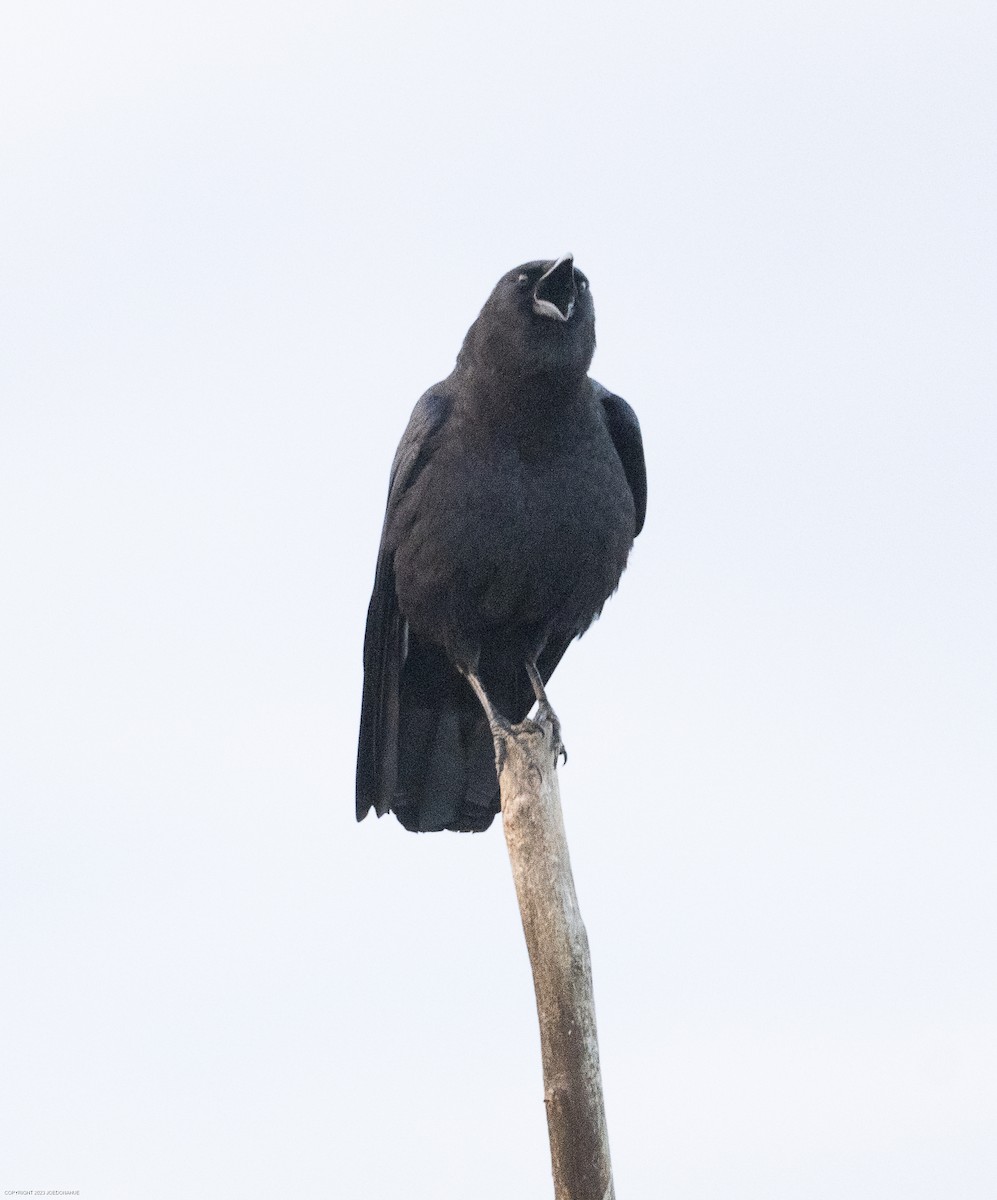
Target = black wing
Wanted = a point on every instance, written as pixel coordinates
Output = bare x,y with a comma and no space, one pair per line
624,429
386,635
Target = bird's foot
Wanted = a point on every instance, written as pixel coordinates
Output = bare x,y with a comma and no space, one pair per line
500,730
547,720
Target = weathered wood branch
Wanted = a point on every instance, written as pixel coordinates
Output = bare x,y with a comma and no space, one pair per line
559,955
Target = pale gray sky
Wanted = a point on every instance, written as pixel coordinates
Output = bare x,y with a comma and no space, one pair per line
237,242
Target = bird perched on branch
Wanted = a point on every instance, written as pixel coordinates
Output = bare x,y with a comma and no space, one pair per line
515,496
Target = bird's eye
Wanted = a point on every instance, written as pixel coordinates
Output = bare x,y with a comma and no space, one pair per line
583,282
523,280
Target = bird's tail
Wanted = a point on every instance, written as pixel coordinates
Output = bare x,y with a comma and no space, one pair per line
446,767
426,751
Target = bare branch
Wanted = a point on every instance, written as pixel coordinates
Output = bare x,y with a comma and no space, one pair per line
559,955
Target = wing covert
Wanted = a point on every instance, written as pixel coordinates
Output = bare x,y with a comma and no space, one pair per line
624,429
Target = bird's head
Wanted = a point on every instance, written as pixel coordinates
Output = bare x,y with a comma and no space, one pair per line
539,320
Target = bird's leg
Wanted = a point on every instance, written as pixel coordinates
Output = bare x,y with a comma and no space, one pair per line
544,710
498,724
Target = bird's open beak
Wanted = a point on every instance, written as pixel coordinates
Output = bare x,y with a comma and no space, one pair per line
554,295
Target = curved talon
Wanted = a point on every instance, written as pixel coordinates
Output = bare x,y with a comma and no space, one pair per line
546,714
500,729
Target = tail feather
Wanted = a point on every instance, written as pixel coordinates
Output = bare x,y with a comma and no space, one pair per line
377,753
426,751
446,762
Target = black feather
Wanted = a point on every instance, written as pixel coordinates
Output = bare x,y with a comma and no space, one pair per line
515,495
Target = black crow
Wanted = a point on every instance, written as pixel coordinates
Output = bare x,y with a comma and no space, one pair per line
515,496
